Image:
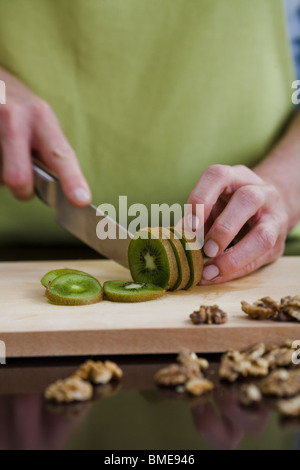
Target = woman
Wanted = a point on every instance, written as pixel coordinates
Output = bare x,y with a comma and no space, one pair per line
161,101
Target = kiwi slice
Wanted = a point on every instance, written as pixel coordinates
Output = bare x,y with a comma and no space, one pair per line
181,259
120,291
152,260
74,289
57,272
194,257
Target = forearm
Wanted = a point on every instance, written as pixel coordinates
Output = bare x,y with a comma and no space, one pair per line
282,169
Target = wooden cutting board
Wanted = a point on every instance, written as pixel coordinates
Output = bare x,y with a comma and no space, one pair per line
30,326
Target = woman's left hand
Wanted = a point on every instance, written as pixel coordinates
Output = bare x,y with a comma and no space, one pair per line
237,202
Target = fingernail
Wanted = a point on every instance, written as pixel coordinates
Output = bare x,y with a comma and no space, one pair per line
211,248
82,195
193,221
210,272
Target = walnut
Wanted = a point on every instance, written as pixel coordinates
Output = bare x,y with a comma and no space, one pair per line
289,407
279,357
175,374
198,386
257,368
99,372
187,357
247,363
209,315
281,383
69,390
249,394
289,309
84,370
254,352
189,367
226,371
261,309
116,371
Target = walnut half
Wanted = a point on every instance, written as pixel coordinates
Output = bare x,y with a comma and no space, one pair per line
186,375
69,390
209,314
281,383
261,309
289,309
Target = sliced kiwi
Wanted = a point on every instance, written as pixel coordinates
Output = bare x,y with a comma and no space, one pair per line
194,257
181,259
57,272
74,289
152,260
120,291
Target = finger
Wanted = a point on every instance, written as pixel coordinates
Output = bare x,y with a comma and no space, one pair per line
16,171
262,245
1,168
244,204
58,155
219,432
217,180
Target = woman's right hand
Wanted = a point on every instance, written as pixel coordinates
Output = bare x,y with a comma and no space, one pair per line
28,123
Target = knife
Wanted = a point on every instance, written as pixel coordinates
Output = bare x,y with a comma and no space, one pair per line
80,221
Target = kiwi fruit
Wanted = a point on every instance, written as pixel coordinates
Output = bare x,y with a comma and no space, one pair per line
74,289
51,275
194,257
120,291
152,259
181,259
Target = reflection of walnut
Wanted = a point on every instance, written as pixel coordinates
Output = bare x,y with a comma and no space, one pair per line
198,386
99,372
209,315
281,383
69,390
261,309
249,394
289,407
289,308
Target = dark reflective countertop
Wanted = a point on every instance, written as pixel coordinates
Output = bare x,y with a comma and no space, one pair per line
134,413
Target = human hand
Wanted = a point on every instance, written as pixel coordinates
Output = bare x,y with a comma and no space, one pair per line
28,123
224,423
238,202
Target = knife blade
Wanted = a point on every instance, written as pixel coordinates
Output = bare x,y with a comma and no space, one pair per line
80,221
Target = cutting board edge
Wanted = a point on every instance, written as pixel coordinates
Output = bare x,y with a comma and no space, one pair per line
151,341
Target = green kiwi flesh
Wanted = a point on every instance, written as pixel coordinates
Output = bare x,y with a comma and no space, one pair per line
152,260
51,275
74,289
194,257
120,291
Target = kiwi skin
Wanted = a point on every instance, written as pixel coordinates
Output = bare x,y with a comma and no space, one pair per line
51,275
194,258
69,301
132,297
181,259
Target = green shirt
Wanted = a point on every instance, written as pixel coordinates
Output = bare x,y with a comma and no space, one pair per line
148,92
